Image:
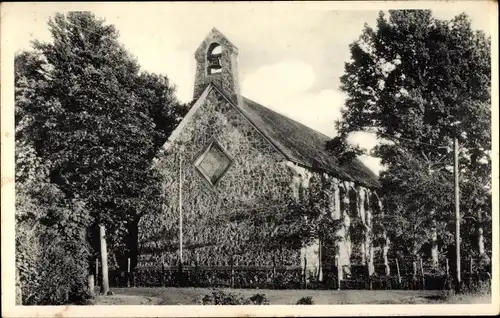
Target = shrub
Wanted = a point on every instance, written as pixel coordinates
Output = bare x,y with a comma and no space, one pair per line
51,247
305,301
220,297
259,299
52,276
478,292
483,264
478,287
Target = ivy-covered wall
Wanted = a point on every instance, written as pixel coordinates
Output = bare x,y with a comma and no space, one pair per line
215,223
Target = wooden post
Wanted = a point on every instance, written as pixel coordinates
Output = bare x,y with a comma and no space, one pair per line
457,215
399,273
340,273
414,274
162,270
305,272
232,272
197,269
480,232
447,268
470,271
369,276
339,277
104,261
422,273
128,272
274,271
91,284
96,270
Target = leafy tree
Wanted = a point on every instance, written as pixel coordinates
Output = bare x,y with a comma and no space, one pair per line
99,121
410,80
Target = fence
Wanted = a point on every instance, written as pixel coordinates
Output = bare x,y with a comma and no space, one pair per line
404,274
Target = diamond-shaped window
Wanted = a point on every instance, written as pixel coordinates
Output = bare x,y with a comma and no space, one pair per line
213,163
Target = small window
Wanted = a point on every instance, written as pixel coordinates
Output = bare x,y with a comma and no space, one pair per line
214,59
213,163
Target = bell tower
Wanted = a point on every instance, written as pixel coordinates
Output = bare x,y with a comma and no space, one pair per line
216,63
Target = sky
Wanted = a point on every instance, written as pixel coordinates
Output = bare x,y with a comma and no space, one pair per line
291,55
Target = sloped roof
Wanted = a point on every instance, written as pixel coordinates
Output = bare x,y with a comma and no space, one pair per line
304,145
297,142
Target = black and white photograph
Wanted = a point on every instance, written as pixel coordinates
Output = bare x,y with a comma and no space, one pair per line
160,158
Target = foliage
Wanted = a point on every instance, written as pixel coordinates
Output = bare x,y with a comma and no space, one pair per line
297,222
342,150
305,301
259,299
89,111
50,231
220,297
477,292
417,82
409,201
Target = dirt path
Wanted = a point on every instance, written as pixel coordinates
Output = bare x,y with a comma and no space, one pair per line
191,296
126,300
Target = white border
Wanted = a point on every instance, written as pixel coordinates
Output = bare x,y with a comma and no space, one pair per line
8,29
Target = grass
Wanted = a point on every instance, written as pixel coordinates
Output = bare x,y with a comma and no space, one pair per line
478,293
192,296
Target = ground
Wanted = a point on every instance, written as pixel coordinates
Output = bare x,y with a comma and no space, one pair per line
191,296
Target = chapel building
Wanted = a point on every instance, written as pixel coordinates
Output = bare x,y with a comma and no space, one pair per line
231,157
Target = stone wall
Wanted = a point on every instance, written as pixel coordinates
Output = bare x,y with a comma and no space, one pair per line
217,227
214,217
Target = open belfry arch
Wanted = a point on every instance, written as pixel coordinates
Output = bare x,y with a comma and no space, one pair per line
241,157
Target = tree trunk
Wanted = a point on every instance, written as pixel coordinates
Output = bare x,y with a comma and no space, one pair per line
320,261
91,284
385,250
480,235
386,240
434,243
104,261
369,236
360,206
371,265
133,242
414,251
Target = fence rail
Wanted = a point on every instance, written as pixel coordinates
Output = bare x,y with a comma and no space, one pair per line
403,275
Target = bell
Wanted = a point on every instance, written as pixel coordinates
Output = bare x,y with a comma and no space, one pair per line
214,63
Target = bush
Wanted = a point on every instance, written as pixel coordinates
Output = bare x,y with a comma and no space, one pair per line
478,287
477,292
259,299
483,264
52,276
51,247
305,301
220,297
